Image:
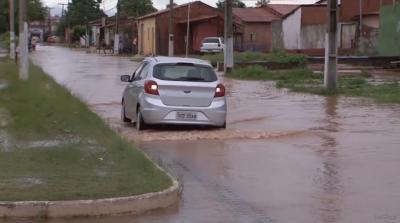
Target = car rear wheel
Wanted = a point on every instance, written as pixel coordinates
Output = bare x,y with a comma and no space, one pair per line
140,124
123,114
223,126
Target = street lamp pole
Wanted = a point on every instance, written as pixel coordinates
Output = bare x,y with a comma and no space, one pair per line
23,41
330,73
228,51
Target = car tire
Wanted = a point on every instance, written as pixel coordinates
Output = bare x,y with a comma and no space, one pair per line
123,115
140,124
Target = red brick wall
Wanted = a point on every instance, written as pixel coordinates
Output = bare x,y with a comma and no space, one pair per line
313,15
263,36
201,31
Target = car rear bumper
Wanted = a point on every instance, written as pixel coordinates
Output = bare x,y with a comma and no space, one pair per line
211,50
155,112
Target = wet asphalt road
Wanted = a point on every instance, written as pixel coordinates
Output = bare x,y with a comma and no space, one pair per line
285,157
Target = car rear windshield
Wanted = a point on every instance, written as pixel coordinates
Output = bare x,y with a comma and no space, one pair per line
211,40
184,72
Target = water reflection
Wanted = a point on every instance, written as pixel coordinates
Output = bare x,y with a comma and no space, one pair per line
329,181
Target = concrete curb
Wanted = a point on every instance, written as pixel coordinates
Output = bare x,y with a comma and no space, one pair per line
98,207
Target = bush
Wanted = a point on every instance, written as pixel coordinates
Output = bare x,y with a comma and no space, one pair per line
275,56
5,40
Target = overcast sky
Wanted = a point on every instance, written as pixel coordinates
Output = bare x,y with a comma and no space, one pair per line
109,5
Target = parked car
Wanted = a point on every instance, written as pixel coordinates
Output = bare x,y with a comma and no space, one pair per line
212,45
52,39
172,90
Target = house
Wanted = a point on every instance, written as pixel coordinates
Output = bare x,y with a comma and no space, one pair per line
153,29
367,40
350,20
299,27
256,32
102,33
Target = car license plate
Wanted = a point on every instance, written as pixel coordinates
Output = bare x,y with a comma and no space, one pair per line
187,116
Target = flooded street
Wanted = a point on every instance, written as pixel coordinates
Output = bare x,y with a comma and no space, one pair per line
284,157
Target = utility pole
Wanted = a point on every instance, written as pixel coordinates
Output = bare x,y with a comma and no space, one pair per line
330,74
12,32
49,20
228,37
66,17
171,29
360,25
188,31
116,36
23,41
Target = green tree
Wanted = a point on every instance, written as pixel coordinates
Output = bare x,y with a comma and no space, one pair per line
136,7
236,4
36,11
80,12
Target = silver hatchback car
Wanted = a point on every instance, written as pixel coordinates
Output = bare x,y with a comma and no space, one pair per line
172,90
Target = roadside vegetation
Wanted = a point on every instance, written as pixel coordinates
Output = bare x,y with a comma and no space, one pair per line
275,56
52,147
304,80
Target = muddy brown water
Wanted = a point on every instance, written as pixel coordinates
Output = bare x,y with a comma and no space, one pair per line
285,157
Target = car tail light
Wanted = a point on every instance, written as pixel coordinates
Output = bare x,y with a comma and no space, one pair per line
219,91
151,87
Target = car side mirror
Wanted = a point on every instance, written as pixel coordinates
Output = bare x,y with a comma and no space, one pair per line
125,78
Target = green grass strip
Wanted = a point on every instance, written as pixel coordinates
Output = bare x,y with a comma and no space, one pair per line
52,147
304,80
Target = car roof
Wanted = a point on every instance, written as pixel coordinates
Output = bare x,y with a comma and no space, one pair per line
164,59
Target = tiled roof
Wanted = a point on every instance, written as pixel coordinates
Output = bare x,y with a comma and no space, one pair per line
283,9
167,10
254,15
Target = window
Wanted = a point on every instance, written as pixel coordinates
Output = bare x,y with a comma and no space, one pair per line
211,40
252,37
138,69
143,73
184,72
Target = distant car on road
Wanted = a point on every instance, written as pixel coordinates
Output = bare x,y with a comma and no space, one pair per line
52,39
172,90
212,45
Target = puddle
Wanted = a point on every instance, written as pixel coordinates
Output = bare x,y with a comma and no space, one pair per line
3,85
59,142
5,118
24,182
6,143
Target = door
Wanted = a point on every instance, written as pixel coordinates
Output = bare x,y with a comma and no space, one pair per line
132,90
348,36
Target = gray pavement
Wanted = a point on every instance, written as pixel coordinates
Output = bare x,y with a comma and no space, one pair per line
284,157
